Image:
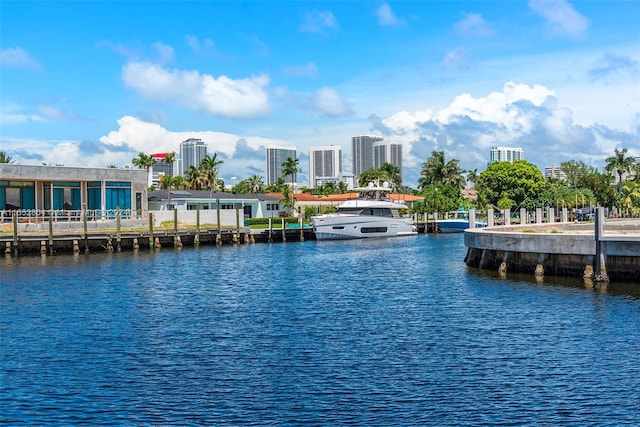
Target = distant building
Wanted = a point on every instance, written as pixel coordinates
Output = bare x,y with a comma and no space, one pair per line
160,168
362,151
192,151
325,165
387,152
276,156
506,154
555,172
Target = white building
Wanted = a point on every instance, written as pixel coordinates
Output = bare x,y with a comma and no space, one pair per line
192,151
276,156
554,172
325,164
387,152
160,168
506,154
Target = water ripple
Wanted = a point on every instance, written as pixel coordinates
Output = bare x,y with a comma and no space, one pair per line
391,332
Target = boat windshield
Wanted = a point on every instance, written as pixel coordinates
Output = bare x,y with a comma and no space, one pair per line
384,212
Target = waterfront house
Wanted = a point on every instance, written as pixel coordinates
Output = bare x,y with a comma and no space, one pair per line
187,202
60,191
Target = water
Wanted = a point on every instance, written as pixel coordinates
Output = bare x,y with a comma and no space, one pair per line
384,332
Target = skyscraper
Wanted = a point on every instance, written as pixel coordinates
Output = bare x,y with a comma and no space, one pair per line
276,156
506,154
192,151
387,152
325,164
362,150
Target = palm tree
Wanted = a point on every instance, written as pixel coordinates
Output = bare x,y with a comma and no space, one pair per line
472,177
392,174
4,158
170,159
209,168
255,184
436,171
144,161
621,164
290,168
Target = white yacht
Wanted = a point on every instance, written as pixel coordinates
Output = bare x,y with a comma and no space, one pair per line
371,214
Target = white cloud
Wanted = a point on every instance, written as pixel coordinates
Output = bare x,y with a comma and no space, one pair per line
17,57
473,25
206,46
330,103
561,17
386,17
220,96
164,51
319,22
11,114
520,115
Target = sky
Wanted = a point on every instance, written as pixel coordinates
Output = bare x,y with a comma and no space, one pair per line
94,83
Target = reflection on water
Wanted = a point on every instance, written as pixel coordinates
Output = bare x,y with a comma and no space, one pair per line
371,332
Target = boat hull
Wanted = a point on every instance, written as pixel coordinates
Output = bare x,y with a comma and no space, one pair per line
456,226
339,227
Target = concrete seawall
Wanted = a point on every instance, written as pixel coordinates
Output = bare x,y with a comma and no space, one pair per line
560,248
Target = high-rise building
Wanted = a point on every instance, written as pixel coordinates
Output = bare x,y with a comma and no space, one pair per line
325,164
362,150
276,156
506,154
192,151
387,152
160,168
555,172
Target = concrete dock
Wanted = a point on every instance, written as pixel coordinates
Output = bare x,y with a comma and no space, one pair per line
569,249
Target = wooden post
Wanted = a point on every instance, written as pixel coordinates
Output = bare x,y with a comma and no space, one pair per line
600,269
237,224
507,216
552,215
524,219
302,229
472,218
118,213
270,235
565,215
218,236
175,228
196,238
150,230
489,217
50,236
538,215
284,236
15,232
84,226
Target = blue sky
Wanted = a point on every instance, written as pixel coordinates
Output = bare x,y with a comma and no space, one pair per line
93,83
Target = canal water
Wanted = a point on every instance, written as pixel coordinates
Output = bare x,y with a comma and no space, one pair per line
377,332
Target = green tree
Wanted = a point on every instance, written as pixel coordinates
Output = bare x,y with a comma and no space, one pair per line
209,169
437,171
370,175
519,181
621,164
576,172
392,174
4,158
290,168
472,177
255,184
144,161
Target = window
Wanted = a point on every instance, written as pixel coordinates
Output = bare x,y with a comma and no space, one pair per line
366,230
273,206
